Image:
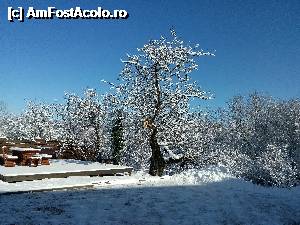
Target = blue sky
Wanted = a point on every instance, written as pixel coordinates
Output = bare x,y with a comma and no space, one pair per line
256,42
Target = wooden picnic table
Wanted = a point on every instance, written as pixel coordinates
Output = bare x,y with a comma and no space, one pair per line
25,155
6,159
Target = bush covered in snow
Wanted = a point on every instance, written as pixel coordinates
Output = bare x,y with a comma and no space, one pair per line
260,139
275,167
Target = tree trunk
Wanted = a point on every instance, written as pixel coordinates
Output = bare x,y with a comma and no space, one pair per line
157,162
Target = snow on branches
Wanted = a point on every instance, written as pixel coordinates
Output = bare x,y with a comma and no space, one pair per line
82,126
156,88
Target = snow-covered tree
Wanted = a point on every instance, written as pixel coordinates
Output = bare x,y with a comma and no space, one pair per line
276,167
260,133
155,92
14,127
3,114
2,108
39,121
36,121
81,126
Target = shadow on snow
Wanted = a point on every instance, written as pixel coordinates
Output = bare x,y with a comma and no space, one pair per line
229,201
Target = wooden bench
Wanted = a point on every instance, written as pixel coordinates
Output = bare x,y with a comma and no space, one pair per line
24,155
6,159
34,160
45,159
39,159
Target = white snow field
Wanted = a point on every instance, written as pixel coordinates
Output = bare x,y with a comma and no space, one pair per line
208,196
56,166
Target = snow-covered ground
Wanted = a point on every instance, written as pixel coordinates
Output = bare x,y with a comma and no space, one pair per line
57,166
208,196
